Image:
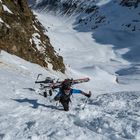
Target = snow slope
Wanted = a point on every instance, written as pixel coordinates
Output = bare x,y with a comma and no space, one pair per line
83,53
26,115
112,112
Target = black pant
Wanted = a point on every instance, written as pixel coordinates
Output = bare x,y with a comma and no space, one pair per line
65,104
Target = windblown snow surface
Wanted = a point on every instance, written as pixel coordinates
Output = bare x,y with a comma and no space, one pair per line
112,112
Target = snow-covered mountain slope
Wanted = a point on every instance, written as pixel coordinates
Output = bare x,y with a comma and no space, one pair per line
26,115
86,55
111,22
107,55
91,14
112,112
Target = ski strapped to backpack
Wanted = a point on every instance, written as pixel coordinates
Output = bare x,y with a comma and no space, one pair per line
49,85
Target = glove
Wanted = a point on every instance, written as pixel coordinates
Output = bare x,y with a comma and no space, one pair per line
88,94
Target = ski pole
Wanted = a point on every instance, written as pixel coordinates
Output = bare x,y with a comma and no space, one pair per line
85,102
36,80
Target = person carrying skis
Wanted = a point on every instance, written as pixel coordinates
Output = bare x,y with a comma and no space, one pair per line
65,92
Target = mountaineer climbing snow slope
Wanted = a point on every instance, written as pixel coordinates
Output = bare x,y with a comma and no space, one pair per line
113,110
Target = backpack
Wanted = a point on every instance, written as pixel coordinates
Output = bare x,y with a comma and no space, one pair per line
66,84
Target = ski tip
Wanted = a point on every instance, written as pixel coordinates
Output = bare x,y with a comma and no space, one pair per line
88,78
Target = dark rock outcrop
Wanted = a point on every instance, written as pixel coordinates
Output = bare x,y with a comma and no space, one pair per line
130,3
19,30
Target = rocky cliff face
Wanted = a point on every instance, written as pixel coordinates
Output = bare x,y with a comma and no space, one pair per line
22,34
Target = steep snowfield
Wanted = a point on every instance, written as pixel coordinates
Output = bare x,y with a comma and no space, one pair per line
26,115
84,54
112,112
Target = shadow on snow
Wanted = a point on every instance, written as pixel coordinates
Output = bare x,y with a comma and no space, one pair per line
35,104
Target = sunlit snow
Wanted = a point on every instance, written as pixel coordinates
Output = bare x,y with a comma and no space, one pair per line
112,112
